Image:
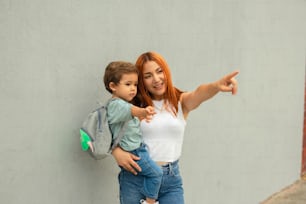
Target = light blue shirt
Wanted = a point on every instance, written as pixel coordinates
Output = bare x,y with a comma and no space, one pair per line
119,111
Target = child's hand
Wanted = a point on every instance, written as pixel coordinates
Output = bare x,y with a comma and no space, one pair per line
149,112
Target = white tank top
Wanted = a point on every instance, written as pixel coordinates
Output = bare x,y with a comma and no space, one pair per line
164,133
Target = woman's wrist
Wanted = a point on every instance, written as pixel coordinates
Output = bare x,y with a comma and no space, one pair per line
115,151
215,88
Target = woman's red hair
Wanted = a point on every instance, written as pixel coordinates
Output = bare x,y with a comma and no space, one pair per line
172,94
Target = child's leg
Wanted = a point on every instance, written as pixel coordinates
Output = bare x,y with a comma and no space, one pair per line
152,174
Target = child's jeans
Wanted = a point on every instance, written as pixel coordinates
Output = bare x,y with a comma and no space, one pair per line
151,172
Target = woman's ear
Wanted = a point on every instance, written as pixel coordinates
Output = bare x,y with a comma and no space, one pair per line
112,86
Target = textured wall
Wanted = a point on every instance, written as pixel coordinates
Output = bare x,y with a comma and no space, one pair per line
237,150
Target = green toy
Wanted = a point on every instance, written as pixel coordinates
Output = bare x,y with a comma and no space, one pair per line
85,139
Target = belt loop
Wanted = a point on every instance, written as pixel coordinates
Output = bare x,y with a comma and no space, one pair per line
171,169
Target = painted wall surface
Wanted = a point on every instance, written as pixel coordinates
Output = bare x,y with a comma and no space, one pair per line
237,150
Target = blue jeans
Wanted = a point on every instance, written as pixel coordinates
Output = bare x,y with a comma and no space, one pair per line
171,189
151,173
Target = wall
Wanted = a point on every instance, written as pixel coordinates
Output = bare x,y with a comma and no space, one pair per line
237,149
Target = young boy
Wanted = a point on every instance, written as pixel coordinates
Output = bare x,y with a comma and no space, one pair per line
121,79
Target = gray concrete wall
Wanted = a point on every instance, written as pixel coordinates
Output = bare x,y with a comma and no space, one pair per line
237,150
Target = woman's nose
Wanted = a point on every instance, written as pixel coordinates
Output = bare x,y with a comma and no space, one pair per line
155,77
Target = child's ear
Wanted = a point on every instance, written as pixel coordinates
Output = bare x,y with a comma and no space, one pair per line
112,86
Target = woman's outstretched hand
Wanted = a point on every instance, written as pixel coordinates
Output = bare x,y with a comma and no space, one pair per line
228,83
126,160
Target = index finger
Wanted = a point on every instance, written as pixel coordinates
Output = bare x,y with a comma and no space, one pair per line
135,168
231,75
130,169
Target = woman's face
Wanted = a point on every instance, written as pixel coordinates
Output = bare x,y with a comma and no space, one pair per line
154,79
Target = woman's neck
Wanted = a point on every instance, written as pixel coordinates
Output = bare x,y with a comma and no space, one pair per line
157,98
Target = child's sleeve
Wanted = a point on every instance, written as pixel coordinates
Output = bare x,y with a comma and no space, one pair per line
119,111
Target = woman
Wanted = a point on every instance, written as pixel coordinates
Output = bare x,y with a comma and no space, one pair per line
164,134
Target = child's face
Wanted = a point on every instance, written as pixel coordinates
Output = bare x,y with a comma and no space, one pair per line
126,89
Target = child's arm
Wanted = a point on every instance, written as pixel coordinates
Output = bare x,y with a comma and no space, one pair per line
143,113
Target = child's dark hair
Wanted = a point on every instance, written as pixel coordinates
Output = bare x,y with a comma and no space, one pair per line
115,70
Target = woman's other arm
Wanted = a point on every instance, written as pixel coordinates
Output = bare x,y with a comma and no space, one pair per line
191,100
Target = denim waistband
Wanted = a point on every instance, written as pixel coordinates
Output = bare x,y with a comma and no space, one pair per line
168,168
170,164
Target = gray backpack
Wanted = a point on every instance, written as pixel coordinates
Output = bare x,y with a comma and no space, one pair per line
96,137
